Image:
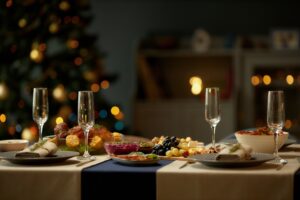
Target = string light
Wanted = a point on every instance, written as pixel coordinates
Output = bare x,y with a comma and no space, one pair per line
78,61
95,87
22,23
119,125
53,28
103,114
36,55
73,96
11,130
255,80
104,84
288,124
3,118
196,83
9,3
90,76
59,93
64,5
3,91
72,43
267,79
18,128
119,116
59,120
115,110
289,79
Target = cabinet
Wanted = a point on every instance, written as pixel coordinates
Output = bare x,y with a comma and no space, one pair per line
164,102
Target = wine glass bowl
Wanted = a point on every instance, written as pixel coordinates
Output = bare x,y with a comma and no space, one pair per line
276,117
40,108
86,118
212,110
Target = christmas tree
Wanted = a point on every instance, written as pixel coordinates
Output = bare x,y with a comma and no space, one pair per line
46,44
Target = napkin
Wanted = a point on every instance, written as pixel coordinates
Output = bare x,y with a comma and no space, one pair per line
235,152
40,149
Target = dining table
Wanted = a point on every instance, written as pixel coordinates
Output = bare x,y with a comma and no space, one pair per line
105,178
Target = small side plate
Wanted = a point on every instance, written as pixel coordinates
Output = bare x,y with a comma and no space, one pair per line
134,162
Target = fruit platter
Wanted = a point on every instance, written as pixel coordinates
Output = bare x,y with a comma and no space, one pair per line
72,139
102,141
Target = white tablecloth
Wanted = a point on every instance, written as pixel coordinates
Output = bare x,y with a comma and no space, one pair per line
53,182
196,181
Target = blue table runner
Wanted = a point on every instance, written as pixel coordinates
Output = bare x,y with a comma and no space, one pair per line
111,180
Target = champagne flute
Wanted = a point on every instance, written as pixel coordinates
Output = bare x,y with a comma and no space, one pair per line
212,110
86,118
40,108
276,118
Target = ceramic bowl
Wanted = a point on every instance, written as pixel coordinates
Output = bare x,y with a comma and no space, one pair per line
261,143
13,145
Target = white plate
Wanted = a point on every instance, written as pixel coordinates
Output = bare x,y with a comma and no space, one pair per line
210,160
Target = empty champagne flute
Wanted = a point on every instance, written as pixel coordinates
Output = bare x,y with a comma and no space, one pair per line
40,108
276,118
86,118
212,110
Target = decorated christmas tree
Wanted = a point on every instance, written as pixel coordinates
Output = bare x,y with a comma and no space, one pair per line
46,44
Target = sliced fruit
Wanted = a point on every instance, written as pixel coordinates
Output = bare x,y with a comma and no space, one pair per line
72,141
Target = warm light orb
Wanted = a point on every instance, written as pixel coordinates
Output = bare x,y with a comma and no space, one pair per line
95,87
72,43
104,84
119,116
53,28
36,55
3,91
288,124
267,79
289,79
3,118
64,5
27,134
115,110
196,83
59,120
59,93
255,80
22,23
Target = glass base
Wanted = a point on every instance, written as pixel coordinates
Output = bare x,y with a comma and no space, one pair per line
279,160
86,156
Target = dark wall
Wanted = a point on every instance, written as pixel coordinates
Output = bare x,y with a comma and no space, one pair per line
120,24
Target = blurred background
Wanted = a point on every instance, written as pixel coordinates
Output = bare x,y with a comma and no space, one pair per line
148,63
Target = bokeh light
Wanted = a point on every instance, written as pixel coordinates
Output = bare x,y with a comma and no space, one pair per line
59,120
267,79
289,79
115,110
255,80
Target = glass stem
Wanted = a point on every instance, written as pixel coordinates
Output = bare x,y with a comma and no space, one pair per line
276,143
213,128
41,125
86,143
